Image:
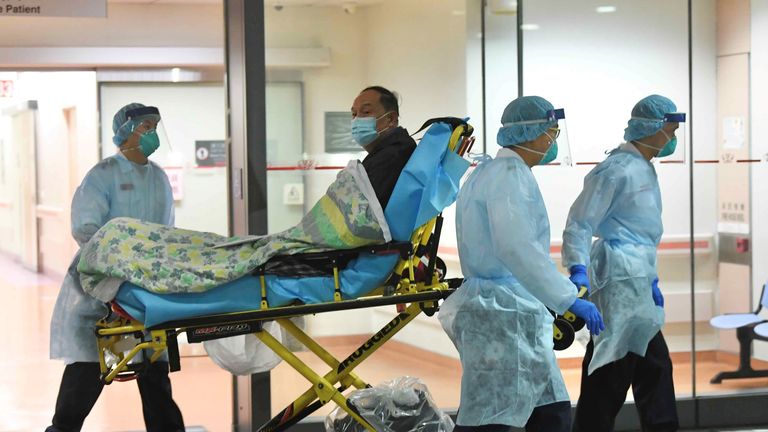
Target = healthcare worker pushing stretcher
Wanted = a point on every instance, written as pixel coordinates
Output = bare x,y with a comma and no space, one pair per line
126,184
498,318
621,206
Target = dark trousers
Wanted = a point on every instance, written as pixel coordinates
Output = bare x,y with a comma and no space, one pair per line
81,387
555,417
603,393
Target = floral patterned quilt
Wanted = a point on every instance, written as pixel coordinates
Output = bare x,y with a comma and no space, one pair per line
164,259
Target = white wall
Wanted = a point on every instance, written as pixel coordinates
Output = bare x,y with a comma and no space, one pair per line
190,112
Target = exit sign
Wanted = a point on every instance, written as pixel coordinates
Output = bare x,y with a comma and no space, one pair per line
6,89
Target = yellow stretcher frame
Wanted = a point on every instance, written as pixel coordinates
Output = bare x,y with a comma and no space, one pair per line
420,296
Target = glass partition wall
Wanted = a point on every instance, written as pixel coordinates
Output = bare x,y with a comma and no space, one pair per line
470,58
319,57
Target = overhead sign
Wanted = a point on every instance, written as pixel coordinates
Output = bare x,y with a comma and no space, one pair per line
54,8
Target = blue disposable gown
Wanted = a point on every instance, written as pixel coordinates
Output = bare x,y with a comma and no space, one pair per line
621,206
113,188
498,318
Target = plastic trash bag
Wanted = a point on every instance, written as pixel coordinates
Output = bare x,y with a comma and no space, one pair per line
245,354
582,336
291,342
401,405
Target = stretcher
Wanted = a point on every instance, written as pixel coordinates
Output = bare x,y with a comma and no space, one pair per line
412,275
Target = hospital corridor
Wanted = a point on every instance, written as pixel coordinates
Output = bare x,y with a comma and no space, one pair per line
203,390
384,215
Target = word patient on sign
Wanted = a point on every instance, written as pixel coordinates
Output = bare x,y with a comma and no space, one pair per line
59,8
26,10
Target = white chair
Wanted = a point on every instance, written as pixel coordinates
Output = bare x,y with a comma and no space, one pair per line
762,330
746,325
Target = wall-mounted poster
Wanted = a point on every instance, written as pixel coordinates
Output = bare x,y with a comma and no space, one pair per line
338,133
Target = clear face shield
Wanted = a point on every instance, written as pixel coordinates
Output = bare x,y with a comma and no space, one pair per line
151,137
559,153
671,146
559,133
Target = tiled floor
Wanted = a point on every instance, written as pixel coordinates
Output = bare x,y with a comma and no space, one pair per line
29,382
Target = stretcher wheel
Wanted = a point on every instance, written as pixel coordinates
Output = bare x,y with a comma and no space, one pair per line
441,268
575,322
429,308
562,334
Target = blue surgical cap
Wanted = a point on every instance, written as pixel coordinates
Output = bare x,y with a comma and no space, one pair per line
519,120
648,117
123,126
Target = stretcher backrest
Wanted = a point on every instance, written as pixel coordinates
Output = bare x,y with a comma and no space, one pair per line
427,185
429,181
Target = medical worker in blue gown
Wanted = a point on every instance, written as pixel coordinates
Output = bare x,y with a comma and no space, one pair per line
498,318
621,206
126,184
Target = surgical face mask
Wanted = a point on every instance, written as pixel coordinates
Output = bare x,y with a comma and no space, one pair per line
551,153
669,147
149,142
364,129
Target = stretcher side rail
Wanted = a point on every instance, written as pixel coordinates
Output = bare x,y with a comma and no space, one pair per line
310,309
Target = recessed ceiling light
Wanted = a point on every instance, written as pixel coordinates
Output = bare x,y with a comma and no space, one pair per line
605,9
458,12
529,27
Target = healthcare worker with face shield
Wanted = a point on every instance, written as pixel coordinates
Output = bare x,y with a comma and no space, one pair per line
124,185
498,318
621,206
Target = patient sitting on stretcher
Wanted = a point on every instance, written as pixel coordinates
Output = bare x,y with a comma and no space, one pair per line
162,259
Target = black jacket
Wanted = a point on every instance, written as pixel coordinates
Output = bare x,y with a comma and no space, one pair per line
383,165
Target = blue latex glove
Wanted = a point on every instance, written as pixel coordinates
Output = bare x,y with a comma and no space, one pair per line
589,313
579,277
658,298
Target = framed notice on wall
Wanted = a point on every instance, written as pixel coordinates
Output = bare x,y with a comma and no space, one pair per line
338,133
211,153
